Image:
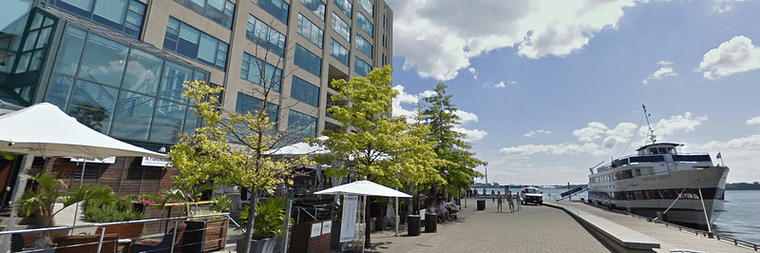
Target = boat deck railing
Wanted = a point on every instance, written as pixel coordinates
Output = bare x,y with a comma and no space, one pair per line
635,159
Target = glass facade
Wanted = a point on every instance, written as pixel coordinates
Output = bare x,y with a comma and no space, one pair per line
308,61
301,124
25,38
315,6
247,103
278,8
265,36
219,11
120,90
367,5
345,6
304,92
339,52
123,15
309,30
361,67
365,25
364,45
252,68
341,27
188,41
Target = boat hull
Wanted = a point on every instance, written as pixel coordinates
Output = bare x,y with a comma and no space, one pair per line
649,194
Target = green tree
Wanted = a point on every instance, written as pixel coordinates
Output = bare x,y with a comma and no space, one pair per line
384,149
459,163
230,148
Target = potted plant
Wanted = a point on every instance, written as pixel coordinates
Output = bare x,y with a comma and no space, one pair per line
40,201
141,202
269,223
208,233
184,192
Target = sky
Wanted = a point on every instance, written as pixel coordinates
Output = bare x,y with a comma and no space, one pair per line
546,91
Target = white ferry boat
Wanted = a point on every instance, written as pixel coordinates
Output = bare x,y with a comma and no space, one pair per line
685,188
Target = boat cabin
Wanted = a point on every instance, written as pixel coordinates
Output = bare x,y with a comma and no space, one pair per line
659,149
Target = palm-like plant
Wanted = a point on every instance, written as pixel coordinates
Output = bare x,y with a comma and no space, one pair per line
184,192
41,200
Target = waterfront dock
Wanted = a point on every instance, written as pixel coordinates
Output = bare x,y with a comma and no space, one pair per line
542,229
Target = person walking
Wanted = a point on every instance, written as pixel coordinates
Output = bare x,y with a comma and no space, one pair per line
510,202
493,196
519,202
499,207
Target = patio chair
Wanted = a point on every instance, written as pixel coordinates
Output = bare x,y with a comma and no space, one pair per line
160,245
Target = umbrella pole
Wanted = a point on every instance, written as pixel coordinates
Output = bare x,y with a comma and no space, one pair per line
76,208
21,181
397,216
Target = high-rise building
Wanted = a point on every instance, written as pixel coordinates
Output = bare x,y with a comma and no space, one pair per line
118,65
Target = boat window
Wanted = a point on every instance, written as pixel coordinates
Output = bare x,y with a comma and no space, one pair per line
672,151
653,151
662,150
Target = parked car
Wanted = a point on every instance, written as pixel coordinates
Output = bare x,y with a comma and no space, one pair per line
532,195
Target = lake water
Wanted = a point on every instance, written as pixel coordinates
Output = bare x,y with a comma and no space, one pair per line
740,221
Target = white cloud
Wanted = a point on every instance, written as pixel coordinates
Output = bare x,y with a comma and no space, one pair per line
438,40
591,132
676,124
736,143
554,149
466,116
474,73
722,6
734,56
404,98
534,132
754,121
502,84
666,69
471,134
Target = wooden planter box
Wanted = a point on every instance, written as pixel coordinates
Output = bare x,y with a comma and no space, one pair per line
126,231
204,236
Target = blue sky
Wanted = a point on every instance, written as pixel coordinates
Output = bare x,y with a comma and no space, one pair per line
547,91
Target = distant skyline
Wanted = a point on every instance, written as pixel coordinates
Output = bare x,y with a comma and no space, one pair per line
546,90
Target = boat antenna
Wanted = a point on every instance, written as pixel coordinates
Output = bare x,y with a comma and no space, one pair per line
650,134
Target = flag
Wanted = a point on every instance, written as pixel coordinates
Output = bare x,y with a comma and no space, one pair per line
719,157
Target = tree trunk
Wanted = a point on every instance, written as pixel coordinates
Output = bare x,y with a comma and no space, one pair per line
251,217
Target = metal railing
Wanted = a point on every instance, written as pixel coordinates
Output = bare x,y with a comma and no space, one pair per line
100,242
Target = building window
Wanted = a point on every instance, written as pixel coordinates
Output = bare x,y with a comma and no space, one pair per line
188,41
252,68
301,124
367,4
315,6
364,45
220,11
341,27
123,15
385,41
311,31
308,61
278,8
345,6
145,103
385,23
365,25
339,51
361,67
304,91
265,36
246,103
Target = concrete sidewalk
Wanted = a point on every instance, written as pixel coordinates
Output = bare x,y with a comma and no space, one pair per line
532,229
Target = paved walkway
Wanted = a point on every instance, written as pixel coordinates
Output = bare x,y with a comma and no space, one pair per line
668,238
532,229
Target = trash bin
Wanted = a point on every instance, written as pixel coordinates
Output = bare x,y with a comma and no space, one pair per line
481,204
430,222
414,225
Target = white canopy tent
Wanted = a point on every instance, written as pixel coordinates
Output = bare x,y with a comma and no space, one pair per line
44,130
301,148
367,188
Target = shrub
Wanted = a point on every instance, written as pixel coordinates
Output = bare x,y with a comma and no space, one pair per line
114,209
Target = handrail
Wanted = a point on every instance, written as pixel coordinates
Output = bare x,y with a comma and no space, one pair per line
57,228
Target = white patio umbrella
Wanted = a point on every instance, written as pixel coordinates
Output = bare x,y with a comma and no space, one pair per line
44,130
301,148
367,188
